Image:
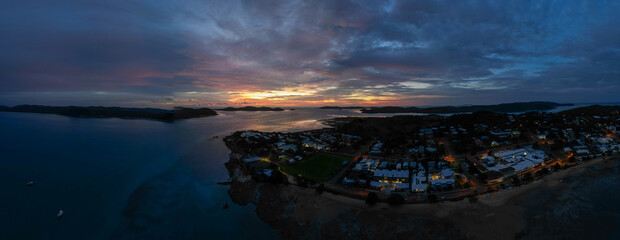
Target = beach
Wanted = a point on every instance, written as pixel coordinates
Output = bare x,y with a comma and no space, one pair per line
296,211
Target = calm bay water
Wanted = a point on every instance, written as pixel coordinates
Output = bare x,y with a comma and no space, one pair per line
129,179
163,175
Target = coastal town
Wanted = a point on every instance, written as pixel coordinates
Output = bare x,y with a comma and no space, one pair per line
412,159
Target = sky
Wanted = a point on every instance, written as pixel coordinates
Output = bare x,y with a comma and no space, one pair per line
307,53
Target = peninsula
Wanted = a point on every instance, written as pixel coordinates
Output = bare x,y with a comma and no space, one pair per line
115,112
504,107
421,159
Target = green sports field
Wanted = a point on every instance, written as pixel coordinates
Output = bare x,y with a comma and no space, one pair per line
317,168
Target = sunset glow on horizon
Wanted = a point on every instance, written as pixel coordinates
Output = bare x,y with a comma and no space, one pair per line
299,53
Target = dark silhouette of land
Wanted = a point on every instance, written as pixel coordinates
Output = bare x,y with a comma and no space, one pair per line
504,107
250,108
109,112
340,108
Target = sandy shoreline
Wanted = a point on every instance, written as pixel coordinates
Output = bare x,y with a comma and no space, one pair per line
496,215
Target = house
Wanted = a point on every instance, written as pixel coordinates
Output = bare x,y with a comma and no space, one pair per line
267,172
376,148
511,162
249,159
366,165
349,181
581,150
391,175
286,147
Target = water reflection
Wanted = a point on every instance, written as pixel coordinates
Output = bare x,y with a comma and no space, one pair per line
130,179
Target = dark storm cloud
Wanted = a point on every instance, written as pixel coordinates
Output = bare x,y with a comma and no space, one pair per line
78,46
395,52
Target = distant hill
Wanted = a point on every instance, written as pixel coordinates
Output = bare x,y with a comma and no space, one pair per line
339,108
250,108
592,110
118,112
504,107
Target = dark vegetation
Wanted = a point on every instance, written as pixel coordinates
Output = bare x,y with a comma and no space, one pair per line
591,110
118,112
303,182
504,107
278,177
372,198
398,132
406,126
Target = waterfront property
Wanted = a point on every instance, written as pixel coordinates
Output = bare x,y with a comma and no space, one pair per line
508,163
450,156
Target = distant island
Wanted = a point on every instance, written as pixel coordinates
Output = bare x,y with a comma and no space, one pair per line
108,112
250,108
504,107
340,108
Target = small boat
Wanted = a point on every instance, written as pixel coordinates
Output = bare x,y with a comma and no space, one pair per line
30,183
60,213
225,206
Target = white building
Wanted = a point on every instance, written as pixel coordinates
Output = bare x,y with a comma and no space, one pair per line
517,160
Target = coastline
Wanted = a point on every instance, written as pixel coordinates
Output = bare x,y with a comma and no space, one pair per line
294,210
495,210
503,215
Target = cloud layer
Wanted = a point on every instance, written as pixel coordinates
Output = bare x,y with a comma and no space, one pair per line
147,53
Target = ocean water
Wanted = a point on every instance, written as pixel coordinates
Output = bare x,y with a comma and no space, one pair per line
130,179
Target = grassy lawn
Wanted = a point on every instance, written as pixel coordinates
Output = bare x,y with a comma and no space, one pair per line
317,168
